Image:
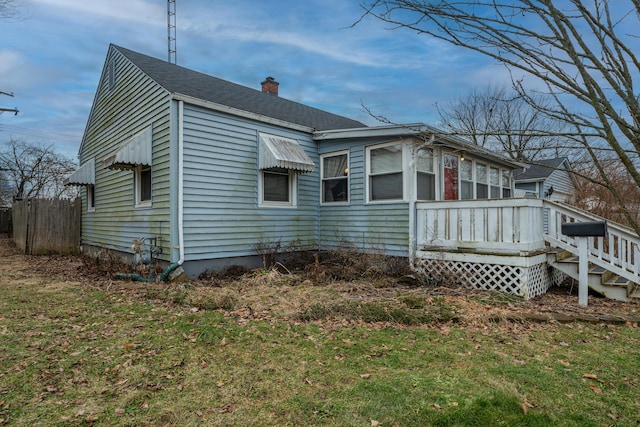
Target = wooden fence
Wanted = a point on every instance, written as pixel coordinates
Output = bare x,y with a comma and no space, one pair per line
43,226
5,221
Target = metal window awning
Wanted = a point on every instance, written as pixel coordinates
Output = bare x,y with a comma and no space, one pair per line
279,152
136,151
84,175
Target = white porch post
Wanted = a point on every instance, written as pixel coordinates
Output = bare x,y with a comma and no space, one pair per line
583,270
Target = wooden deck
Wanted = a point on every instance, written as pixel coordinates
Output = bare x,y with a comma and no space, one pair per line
511,245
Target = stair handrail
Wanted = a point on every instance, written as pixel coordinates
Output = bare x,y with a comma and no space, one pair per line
618,252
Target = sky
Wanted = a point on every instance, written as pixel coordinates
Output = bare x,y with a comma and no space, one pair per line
52,54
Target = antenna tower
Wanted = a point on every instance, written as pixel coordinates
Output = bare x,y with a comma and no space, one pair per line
171,31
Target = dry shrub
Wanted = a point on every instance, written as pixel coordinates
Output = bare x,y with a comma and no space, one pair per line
270,277
229,274
104,264
346,263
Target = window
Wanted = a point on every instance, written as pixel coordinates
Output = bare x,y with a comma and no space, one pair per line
426,178
277,187
335,178
91,198
385,173
482,189
466,180
143,185
494,175
506,183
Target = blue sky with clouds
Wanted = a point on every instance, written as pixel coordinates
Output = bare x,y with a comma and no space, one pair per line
51,59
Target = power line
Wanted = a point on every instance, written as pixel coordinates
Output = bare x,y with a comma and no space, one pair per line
10,110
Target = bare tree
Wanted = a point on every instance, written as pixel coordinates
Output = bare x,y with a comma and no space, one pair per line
33,171
496,119
583,51
9,9
592,196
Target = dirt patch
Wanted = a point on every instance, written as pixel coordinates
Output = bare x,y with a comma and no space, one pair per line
274,294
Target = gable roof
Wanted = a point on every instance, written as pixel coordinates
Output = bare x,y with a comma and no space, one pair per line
541,169
179,80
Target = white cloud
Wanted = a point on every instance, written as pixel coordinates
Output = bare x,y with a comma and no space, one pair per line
10,63
124,10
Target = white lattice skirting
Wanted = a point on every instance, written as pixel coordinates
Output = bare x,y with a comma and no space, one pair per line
527,277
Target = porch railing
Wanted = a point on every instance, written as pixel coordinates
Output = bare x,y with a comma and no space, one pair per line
517,226
503,226
618,251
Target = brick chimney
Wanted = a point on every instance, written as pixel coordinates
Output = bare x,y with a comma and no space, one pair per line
269,85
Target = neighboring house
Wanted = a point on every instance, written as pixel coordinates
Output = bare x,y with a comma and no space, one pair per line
208,172
549,179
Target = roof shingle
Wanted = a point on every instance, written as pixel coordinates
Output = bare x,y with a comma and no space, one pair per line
540,170
180,80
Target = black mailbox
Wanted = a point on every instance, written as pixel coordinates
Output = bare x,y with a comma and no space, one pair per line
584,229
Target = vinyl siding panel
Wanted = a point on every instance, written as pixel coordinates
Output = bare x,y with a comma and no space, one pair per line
119,112
563,188
222,216
373,226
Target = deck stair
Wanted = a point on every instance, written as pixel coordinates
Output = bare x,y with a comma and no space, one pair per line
601,280
613,260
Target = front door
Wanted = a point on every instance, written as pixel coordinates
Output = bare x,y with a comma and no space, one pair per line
450,177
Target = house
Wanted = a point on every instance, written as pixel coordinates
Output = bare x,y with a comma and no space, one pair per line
548,178
200,173
207,170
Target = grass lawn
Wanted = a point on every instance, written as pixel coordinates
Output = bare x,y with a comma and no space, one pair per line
117,354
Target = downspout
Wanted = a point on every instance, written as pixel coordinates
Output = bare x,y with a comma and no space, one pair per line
180,182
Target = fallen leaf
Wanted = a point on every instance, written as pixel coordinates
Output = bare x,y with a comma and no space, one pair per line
365,376
226,409
595,389
375,423
438,407
524,408
590,376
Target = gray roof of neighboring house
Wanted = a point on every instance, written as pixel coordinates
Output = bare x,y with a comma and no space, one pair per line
176,79
540,170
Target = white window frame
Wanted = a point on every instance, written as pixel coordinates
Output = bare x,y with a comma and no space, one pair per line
472,180
139,202
434,173
346,177
402,171
293,193
91,197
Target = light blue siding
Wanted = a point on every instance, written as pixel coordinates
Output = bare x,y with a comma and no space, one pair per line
373,226
222,218
119,112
